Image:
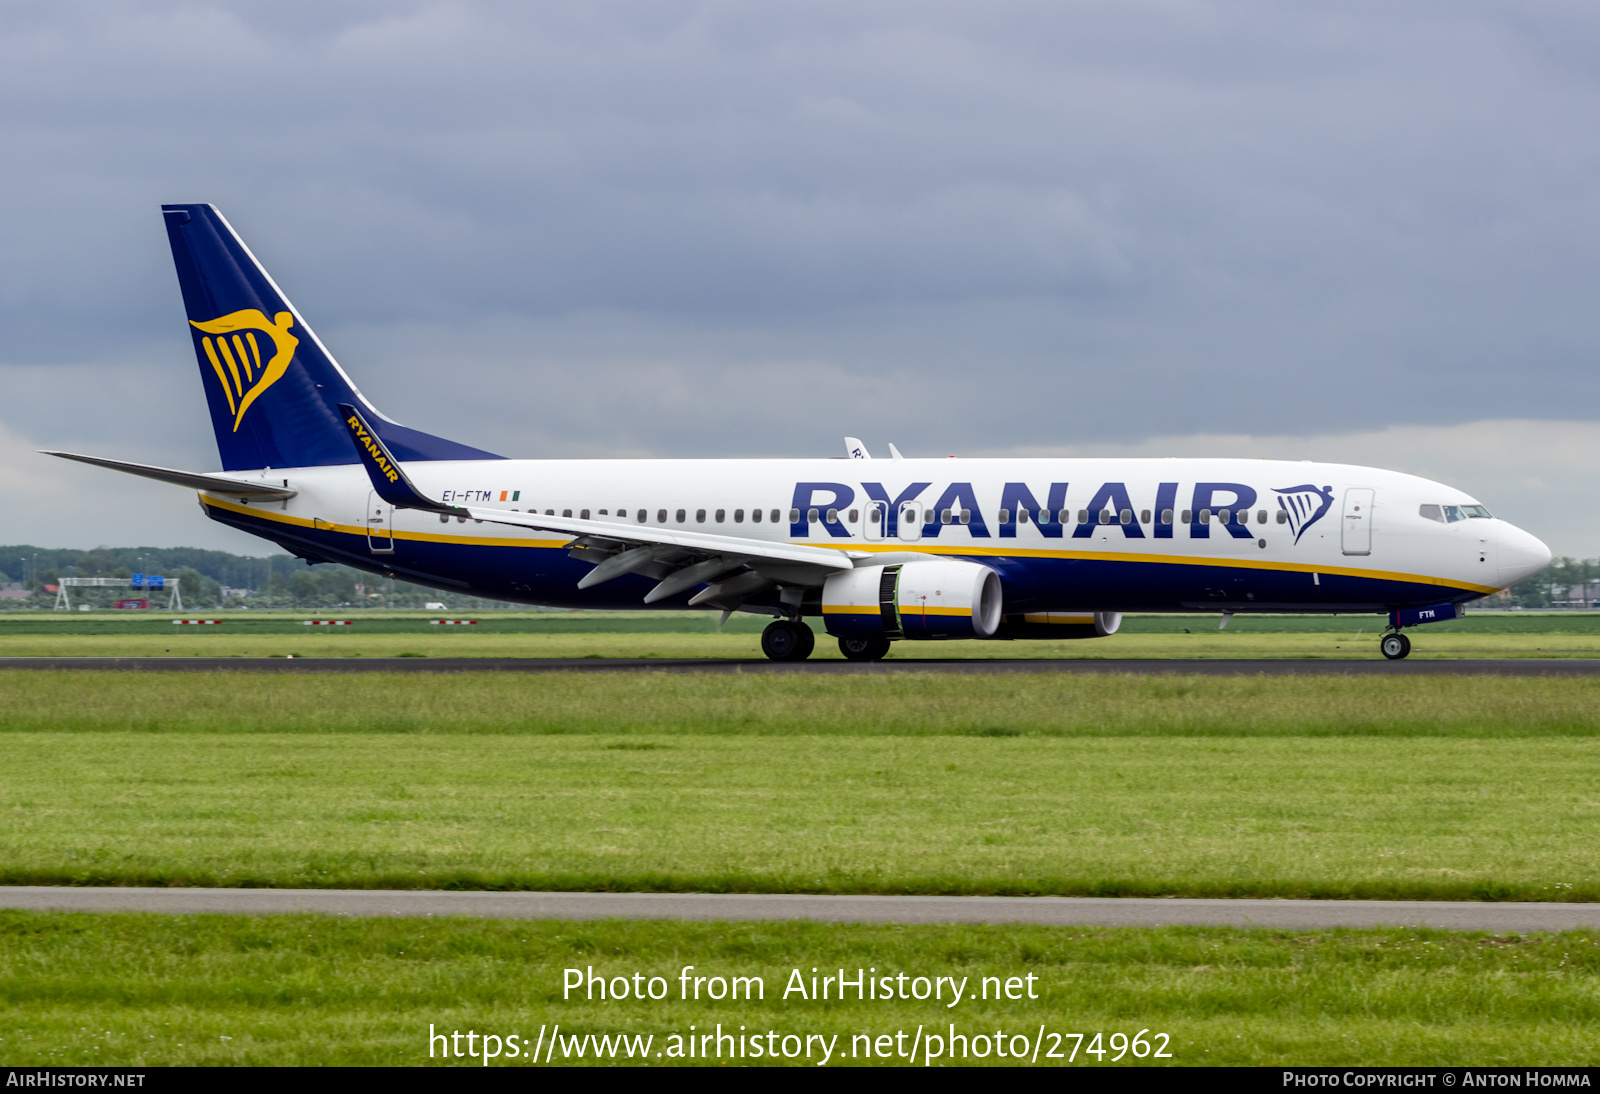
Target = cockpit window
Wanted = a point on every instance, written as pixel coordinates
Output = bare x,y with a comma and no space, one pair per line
1453,513
1432,512
1475,511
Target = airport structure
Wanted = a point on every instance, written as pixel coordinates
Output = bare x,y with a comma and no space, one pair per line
146,582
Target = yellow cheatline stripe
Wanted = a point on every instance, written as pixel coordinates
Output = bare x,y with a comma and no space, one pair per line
1099,556
914,609
849,609
1171,560
222,377
322,525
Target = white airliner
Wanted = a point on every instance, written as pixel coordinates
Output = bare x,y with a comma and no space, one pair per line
878,550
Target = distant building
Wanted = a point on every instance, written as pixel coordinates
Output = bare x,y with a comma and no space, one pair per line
1586,595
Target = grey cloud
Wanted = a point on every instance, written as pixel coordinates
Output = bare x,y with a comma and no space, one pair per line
708,229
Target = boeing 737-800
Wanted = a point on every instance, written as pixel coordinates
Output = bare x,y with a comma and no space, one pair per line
876,550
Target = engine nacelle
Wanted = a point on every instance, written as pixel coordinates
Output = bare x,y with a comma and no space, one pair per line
1060,625
933,599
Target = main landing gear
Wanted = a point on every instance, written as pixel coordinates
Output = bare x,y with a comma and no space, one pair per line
1395,646
786,640
864,649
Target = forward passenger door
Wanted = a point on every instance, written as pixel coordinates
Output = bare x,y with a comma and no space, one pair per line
1357,523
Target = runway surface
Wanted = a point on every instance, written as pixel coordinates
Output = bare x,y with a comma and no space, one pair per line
1055,911
1529,666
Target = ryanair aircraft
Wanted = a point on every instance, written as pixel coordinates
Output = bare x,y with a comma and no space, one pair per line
876,550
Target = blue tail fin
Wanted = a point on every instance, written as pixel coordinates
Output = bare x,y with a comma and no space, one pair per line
274,391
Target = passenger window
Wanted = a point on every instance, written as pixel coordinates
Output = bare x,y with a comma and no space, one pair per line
794,516
755,516
1261,516
775,515
699,516
1061,517
1205,516
738,516
833,517
1144,516
1105,516
549,512
1432,512
583,514
1022,516
681,516
722,515
1005,516
1083,516
605,512
1166,516
661,516
966,516
1453,513
1283,516
566,512
1126,516
1222,515
811,516
643,516
944,516
855,515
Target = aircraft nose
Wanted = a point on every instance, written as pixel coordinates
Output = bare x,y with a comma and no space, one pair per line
1521,555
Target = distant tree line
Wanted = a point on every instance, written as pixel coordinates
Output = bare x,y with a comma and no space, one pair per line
1566,582
273,581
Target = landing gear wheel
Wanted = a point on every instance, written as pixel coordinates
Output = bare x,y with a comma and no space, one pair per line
786,641
864,649
1395,646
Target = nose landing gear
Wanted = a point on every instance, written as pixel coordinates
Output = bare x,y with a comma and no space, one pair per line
1395,646
786,640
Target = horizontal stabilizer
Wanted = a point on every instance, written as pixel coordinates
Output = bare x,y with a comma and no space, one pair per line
239,488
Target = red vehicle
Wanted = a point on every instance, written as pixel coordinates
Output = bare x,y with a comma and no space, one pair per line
131,604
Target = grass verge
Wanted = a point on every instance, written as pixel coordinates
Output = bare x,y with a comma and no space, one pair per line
1367,817
931,704
142,990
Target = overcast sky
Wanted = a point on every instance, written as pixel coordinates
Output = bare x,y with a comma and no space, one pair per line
1359,231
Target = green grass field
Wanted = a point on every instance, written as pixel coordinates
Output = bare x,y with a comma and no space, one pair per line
695,634
1455,787
1444,787
140,990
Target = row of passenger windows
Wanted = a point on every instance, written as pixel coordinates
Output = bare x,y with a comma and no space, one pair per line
957,516
1449,514
681,516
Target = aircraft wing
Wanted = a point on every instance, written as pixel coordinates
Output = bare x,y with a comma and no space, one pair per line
731,567
239,488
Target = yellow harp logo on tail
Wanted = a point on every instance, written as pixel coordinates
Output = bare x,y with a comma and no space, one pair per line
234,350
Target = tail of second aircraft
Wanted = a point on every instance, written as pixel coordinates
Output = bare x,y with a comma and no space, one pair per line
273,389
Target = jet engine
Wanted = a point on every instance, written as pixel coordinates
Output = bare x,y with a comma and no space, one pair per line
919,600
1060,625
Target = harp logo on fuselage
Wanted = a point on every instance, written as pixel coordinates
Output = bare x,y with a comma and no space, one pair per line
231,344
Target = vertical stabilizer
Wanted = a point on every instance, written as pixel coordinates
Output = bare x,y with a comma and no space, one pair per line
273,389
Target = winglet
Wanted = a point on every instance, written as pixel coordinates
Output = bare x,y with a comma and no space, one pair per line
895,452
388,478
855,450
